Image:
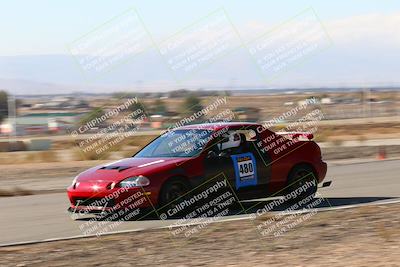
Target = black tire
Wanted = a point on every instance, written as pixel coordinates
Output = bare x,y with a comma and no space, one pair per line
302,176
173,189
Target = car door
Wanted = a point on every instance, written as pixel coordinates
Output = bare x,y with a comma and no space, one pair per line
218,165
247,170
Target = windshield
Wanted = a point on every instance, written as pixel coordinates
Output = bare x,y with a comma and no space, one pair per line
177,143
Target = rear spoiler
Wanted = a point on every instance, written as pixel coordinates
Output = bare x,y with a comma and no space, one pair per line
295,135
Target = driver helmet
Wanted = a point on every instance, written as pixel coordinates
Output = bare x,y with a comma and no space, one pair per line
231,139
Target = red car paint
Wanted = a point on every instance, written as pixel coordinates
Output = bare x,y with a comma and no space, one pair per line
282,157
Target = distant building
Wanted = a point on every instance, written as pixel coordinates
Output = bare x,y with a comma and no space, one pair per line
39,123
308,101
326,101
158,121
61,103
247,114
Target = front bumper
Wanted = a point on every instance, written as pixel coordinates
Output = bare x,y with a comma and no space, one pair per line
105,200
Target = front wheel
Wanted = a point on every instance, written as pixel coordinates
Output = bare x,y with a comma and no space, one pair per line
173,190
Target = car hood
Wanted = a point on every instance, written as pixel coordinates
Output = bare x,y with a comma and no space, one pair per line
121,169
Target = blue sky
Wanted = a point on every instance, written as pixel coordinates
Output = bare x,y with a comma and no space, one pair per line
36,34
46,26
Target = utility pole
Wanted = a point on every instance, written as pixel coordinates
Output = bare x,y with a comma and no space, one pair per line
12,114
367,102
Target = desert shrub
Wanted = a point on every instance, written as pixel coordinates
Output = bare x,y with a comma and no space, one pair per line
89,155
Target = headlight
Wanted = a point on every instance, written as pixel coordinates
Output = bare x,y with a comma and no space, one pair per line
135,181
75,182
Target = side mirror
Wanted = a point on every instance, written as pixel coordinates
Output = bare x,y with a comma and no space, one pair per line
211,154
223,154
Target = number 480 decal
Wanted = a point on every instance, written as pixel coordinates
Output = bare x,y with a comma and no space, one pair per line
245,169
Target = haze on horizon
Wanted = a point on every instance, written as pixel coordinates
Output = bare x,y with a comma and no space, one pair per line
36,57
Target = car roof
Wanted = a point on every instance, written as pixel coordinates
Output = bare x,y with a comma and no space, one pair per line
219,125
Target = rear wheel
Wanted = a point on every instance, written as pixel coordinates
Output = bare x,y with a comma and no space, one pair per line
302,182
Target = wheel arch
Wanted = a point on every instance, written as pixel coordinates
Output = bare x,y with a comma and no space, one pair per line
170,178
304,163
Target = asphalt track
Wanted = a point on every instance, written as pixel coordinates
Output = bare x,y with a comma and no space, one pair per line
41,217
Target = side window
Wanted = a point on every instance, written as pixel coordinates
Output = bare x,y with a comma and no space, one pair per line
234,142
242,141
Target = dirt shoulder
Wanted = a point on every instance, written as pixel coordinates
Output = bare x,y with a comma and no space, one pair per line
40,178
361,236
46,169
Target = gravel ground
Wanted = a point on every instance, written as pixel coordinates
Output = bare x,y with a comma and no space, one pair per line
46,170
364,236
40,178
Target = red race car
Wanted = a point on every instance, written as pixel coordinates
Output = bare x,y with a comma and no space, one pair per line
254,160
